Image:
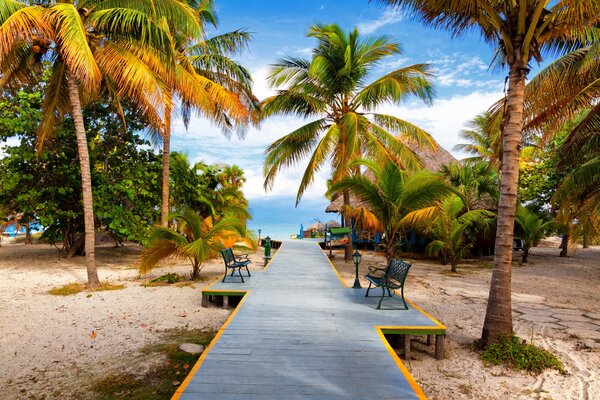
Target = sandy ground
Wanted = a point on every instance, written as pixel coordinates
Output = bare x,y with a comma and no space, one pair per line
47,349
47,344
556,304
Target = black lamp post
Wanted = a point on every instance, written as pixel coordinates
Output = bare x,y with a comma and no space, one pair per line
356,256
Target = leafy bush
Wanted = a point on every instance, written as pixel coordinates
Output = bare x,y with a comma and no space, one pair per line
519,355
169,278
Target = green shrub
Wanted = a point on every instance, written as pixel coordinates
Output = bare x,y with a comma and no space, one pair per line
169,278
517,354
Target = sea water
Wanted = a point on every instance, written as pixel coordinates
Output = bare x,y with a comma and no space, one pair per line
276,231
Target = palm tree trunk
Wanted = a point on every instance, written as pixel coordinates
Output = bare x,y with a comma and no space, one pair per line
564,244
498,316
348,249
86,183
164,213
525,254
453,266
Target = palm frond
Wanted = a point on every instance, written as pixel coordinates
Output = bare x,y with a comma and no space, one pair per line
72,44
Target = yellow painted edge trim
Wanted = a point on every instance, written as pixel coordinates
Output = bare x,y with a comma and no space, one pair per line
426,314
411,381
198,364
241,291
334,268
273,257
399,328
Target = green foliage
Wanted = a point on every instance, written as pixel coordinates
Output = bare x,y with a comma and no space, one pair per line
452,227
169,278
517,354
476,181
391,196
531,228
46,186
196,239
206,189
76,287
333,88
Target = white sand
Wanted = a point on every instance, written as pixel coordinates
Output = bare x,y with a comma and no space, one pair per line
46,344
46,348
555,301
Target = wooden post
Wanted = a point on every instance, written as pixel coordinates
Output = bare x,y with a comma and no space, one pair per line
225,301
407,347
429,340
440,346
204,301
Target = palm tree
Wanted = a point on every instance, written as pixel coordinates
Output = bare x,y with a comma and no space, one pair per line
476,181
390,196
578,204
207,81
483,137
95,48
531,229
519,31
333,87
451,227
196,238
232,176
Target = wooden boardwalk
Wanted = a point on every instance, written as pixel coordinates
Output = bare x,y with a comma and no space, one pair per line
298,333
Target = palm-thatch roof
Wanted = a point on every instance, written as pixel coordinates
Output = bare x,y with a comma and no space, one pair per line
432,160
333,224
318,226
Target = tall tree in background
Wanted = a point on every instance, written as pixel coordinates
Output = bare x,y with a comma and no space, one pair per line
207,80
333,87
518,31
94,49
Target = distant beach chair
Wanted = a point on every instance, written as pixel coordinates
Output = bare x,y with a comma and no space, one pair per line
232,263
389,279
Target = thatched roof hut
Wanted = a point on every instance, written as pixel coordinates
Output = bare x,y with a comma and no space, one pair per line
317,226
431,160
333,224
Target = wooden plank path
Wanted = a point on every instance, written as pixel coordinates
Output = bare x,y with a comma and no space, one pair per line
298,333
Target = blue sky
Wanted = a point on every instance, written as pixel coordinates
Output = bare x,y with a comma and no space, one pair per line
464,83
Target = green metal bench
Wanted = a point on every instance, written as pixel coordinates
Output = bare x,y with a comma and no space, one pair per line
389,279
232,263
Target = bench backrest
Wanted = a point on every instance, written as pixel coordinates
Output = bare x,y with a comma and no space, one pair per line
228,256
397,270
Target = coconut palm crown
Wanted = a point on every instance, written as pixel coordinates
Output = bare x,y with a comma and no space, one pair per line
333,87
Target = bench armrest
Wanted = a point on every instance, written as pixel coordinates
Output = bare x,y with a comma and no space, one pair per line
376,269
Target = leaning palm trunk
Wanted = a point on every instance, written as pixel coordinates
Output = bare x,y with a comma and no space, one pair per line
86,183
166,137
498,317
347,222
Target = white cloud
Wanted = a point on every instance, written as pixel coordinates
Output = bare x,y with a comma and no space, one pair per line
459,70
205,142
448,116
390,64
388,17
260,86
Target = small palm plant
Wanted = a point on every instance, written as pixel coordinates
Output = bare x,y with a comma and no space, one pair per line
195,238
451,227
391,196
531,228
